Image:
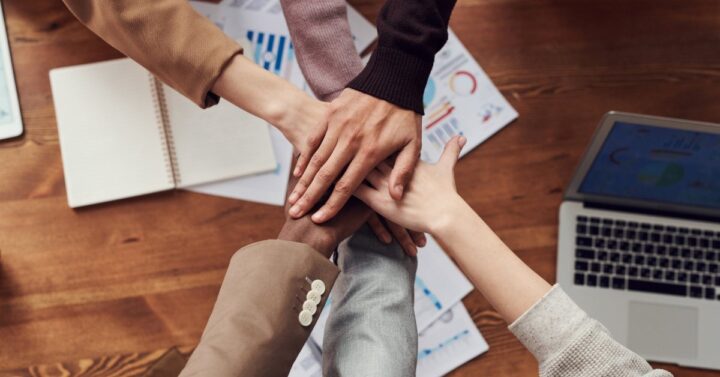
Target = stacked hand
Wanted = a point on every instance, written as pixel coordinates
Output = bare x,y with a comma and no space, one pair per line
362,131
339,144
429,198
325,237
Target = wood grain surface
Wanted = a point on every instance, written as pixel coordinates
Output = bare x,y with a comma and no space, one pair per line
106,290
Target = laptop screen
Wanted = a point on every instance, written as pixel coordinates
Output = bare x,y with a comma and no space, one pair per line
657,164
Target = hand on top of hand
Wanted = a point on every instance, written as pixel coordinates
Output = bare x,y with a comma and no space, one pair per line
362,131
429,198
325,237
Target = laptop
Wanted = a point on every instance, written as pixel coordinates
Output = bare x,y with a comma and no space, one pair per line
639,239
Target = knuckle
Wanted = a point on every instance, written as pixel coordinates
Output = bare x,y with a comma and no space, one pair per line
334,108
316,161
324,176
314,141
303,182
370,154
342,188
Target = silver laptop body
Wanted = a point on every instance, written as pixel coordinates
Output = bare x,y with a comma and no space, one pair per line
639,238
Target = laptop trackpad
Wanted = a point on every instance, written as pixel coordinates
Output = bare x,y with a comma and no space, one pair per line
663,330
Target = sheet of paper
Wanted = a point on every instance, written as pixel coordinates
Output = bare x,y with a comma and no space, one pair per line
308,362
448,343
439,285
267,188
460,99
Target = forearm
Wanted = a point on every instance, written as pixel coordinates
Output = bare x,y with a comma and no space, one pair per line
323,44
492,267
265,95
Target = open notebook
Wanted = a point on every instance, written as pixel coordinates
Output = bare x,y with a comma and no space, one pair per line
124,134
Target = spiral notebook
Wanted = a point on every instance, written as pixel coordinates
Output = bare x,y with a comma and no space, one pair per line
124,134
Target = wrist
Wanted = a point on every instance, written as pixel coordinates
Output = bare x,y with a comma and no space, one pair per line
318,241
456,211
288,108
239,83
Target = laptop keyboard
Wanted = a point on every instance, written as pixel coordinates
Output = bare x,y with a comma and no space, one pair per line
643,257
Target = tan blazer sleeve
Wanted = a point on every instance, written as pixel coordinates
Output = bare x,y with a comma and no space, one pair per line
168,37
254,328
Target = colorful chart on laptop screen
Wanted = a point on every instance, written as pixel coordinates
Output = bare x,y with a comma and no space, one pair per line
657,164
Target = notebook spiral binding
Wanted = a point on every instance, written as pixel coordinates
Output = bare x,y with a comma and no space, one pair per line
165,131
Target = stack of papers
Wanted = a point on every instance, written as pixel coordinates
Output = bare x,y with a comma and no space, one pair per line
447,338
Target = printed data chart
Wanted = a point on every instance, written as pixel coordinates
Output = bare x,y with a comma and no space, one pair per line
273,52
460,99
450,341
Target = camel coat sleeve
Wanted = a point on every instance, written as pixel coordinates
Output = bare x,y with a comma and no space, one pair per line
254,328
168,37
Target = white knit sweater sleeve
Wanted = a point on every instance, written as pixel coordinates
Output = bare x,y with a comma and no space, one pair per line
566,342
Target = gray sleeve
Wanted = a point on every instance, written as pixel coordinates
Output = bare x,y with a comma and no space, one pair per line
567,342
371,329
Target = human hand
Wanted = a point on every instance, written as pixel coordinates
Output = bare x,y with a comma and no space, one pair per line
429,199
386,231
362,131
304,124
325,237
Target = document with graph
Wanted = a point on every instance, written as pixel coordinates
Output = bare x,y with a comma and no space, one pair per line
439,284
460,99
448,343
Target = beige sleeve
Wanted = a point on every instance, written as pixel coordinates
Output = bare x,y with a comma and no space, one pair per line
567,342
254,328
168,37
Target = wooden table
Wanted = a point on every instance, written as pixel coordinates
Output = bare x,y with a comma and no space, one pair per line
110,288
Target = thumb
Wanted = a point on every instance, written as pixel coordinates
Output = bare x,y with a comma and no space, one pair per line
451,153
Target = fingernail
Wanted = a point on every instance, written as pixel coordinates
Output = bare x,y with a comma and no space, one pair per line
295,211
422,242
386,239
462,141
399,189
293,197
319,216
296,172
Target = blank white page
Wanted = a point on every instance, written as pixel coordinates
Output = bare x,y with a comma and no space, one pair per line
111,142
216,143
